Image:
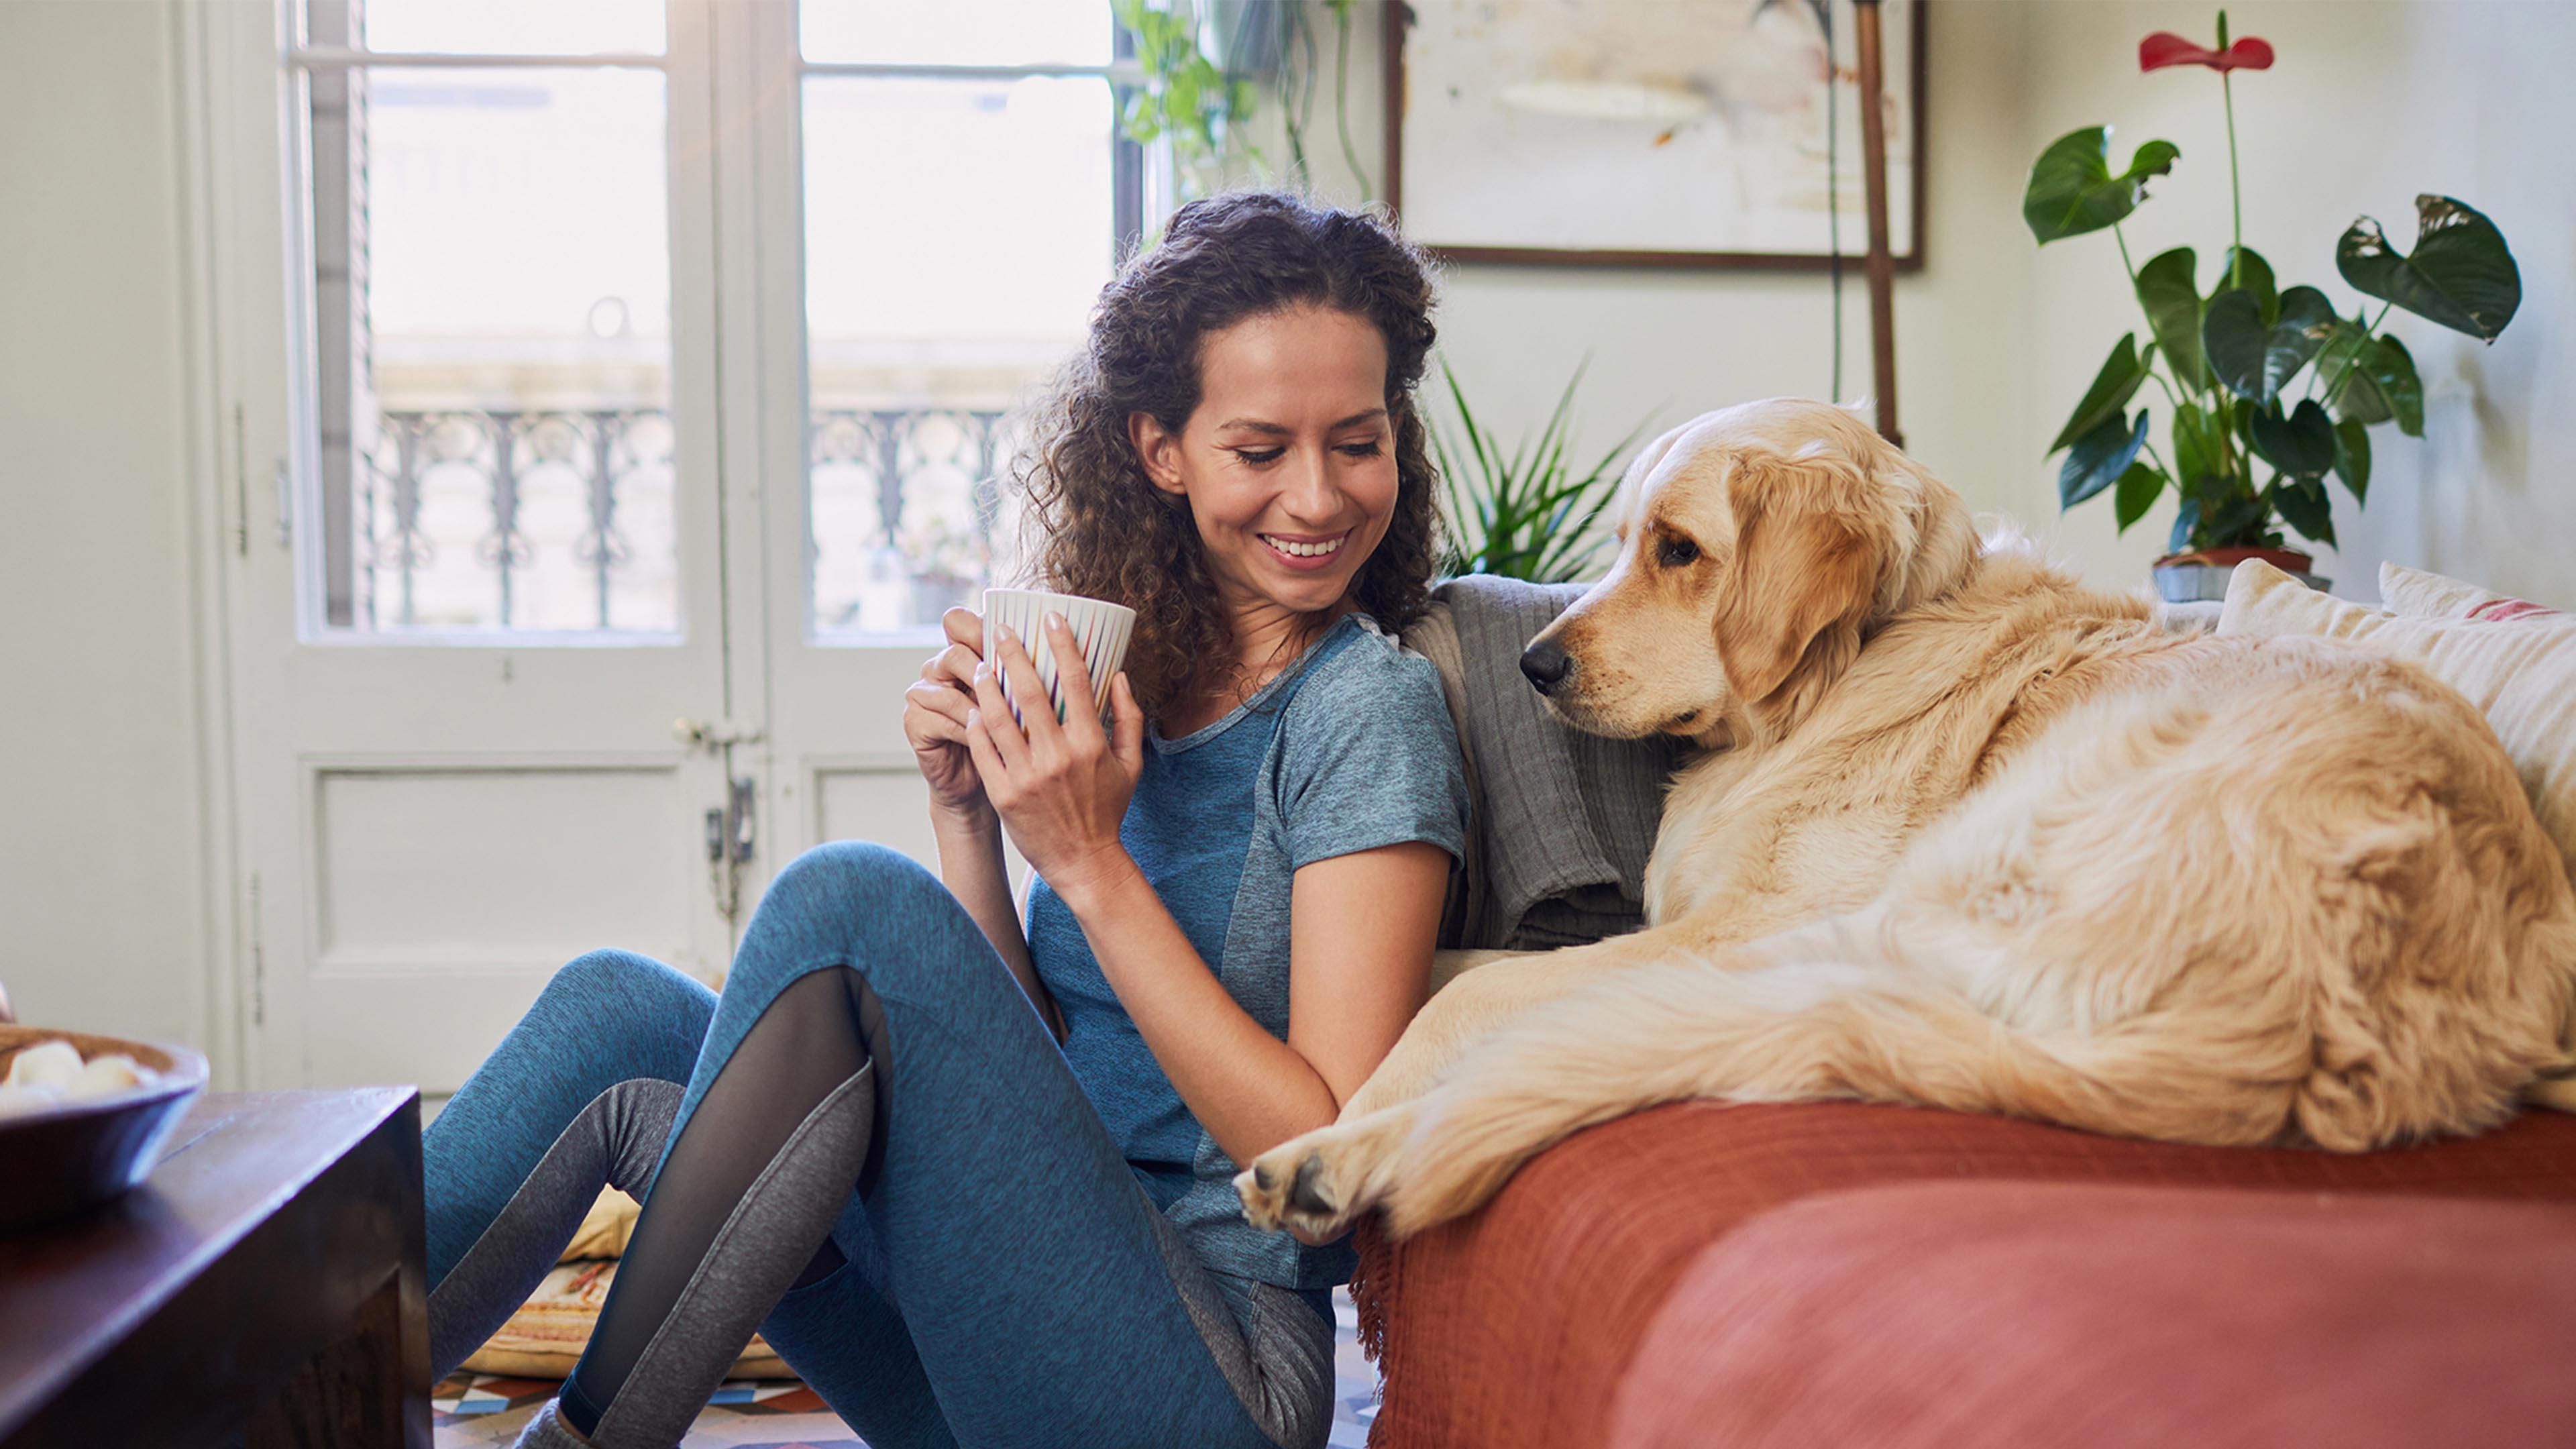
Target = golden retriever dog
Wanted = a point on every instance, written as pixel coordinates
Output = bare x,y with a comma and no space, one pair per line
1971,835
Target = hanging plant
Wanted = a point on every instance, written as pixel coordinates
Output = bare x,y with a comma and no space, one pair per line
1186,99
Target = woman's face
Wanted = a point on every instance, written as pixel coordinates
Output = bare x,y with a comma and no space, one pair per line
1289,462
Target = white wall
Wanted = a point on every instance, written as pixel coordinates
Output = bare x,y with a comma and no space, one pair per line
1675,344
2370,102
102,911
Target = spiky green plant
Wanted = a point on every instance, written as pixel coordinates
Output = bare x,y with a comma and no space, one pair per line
1528,514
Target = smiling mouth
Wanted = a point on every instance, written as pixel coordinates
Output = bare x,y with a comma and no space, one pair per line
1299,548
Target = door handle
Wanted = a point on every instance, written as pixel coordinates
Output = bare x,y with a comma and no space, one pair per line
713,735
732,838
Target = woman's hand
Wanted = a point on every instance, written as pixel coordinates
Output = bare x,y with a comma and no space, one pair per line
1061,788
936,708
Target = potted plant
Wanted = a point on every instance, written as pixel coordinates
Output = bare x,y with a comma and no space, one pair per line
1526,514
2231,364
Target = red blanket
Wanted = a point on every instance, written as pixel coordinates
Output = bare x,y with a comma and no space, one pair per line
1517,1325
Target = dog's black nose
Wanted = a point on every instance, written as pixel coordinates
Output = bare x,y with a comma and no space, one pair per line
1546,665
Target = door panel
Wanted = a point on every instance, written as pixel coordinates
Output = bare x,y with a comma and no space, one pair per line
439,807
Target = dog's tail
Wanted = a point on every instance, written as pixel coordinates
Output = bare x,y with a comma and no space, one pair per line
1816,1031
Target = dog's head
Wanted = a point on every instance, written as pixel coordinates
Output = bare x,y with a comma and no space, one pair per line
1758,547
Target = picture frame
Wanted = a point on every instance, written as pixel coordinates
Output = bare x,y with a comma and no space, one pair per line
1492,102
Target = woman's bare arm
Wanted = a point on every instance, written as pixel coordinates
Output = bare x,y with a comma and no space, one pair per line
1361,932
971,865
962,819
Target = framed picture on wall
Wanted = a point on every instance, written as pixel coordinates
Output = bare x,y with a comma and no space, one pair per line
1655,133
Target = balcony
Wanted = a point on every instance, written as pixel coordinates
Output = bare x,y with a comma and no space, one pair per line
563,521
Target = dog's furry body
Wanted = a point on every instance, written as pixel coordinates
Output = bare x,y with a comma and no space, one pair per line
1984,839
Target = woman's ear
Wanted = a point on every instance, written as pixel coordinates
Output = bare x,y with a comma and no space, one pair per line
1159,449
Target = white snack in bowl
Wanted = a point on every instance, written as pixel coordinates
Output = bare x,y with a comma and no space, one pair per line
50,1063
23,1101
105,1076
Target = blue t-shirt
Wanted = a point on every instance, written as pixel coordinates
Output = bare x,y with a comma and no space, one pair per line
1348,749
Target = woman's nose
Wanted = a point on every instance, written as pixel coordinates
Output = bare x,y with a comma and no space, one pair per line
1308,491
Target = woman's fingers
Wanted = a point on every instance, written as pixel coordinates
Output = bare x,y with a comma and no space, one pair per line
995,714
1127,724
1037,710
964,627
942,701
954,665
1081,704
987,756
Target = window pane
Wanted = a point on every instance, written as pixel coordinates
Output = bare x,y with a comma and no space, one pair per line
506,27
956,234
984,32
494,337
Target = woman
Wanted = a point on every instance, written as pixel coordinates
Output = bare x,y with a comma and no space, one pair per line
973,1183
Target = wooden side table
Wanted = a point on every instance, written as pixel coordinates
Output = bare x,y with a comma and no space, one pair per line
263,1287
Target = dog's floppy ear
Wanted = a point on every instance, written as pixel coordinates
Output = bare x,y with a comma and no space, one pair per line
1804,566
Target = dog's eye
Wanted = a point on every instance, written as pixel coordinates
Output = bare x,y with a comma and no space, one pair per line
1673,553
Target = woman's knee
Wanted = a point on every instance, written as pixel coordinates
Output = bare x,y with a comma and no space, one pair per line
868,893
864,903
606,974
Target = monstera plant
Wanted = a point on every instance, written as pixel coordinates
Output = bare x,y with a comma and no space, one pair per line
2270,390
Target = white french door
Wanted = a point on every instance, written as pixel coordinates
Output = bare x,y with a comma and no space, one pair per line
583,531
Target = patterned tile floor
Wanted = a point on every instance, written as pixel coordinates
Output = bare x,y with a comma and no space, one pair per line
478,1409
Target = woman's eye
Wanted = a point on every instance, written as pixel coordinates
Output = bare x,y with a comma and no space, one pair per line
1369,449
1673,553
1259,456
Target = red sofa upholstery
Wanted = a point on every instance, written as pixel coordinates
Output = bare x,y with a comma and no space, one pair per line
1580,1304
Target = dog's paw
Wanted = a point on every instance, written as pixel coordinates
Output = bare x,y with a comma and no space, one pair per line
1314,1186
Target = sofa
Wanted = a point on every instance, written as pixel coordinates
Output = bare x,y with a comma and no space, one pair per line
1848,1274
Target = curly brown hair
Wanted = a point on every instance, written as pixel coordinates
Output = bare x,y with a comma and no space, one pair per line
1101,528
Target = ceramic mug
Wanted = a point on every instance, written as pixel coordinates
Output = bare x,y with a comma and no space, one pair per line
1100,627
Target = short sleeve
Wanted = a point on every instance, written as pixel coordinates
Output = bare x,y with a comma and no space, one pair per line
1370,758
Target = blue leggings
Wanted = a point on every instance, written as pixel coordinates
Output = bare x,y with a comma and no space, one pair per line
995,1275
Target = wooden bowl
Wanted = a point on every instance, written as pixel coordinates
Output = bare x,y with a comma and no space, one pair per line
79,1153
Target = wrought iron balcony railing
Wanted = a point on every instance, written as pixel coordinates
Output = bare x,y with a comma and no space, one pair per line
562,520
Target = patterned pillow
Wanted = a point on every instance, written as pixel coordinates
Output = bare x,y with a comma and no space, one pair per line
2422,594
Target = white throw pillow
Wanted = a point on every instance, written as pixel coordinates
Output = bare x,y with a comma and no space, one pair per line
2423,594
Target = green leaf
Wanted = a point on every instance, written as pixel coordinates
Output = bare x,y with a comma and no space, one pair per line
1529,515
2257,279
2256,359
2301,445
2462,274
2372,379
2121,375
2352,457
2237,523
2172,301
2140,485
2199,441
2302,504
2099,457
2072,190
2186,523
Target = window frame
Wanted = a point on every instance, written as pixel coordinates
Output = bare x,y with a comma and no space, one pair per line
323,538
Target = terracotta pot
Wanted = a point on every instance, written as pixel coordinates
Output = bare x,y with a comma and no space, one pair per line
2288,561
2201,575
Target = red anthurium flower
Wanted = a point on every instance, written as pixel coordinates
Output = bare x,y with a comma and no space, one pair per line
2165,48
